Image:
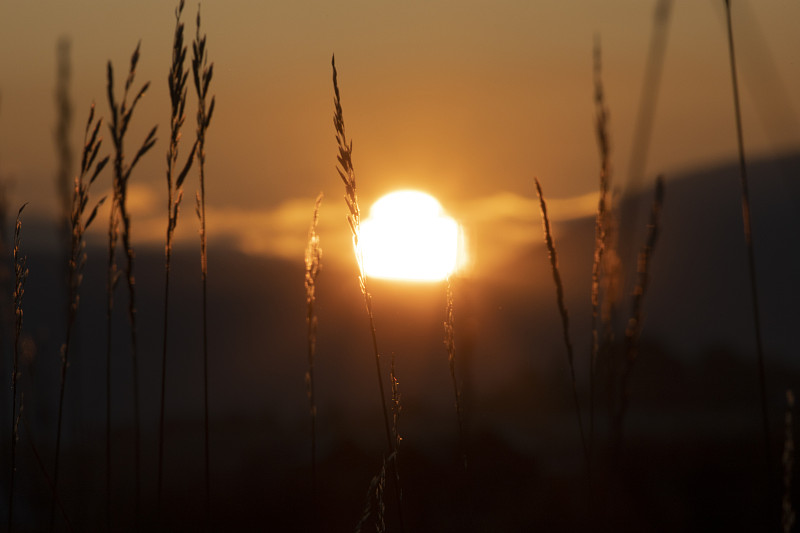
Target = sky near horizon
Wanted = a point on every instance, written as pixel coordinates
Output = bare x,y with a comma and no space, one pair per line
465,100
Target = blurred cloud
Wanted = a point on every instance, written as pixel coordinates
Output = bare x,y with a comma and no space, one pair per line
497,226
511,206
501,225
280,231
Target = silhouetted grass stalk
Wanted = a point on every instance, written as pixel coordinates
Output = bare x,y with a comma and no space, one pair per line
77,259
112,277
346,172
40,463
396,405
375,493
748,237
121,114
611,283
177,92
64,173
551,249
15,419
450,344
79,222
397,408
601,123
354,219
202,73
633,330
648,98
642,134
313,264
788,516
20,277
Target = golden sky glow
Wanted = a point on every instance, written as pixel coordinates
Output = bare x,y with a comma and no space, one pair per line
466,100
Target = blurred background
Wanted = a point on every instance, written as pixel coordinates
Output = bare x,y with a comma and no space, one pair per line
467,101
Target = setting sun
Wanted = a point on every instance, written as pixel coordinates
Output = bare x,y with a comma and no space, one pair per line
408,236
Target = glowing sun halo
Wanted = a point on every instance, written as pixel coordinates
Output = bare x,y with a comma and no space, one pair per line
409,237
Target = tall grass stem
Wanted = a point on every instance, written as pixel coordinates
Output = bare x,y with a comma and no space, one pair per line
347,174
600,236
788,514
79,221
177,92
748,237
20,277
313,258
633,330
64,174
450,344
120,227
40,463
203,72
648,98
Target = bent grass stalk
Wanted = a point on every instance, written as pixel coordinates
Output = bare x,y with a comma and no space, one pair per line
748,238
551,249
20,277
79,221
120,225
177,92
202,73
347,174
634,328
313,257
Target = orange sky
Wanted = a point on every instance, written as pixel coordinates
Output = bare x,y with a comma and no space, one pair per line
467,100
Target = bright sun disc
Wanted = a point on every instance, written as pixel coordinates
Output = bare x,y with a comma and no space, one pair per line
408,236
